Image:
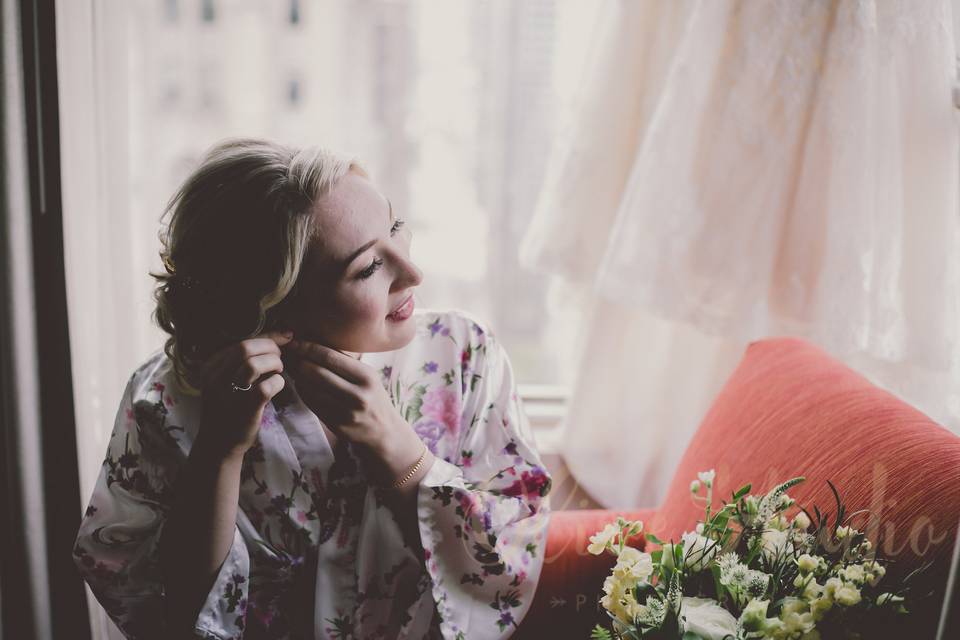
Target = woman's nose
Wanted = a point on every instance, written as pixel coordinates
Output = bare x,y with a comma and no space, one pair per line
408,274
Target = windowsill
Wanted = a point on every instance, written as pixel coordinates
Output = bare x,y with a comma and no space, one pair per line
546,409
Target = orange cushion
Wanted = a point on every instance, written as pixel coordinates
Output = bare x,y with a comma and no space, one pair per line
790,409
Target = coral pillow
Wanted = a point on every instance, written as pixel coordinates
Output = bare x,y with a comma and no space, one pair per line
790,409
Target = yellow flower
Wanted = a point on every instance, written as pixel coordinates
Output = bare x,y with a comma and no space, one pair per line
819,607
807,563
633,566
600,540
794,622
831,587
793,605
848,595
853,573
754,615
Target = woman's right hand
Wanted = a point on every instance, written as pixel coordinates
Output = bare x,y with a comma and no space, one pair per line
230,420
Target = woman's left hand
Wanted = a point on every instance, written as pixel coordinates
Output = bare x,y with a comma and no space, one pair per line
347,397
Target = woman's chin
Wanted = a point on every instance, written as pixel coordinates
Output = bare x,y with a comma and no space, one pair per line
391,335
399,334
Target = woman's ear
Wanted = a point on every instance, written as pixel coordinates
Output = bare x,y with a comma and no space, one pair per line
282,317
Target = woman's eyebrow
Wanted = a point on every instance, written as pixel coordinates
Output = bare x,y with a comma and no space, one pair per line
353,256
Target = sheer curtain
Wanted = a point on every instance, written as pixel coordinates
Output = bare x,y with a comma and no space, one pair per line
449,104
742,170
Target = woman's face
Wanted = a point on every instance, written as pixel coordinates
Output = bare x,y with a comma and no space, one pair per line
356,285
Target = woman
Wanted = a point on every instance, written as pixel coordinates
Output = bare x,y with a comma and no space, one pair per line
307,457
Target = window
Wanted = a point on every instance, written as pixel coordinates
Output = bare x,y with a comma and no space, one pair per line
452,106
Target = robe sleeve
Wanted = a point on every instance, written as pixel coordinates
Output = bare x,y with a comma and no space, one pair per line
483,518
116,549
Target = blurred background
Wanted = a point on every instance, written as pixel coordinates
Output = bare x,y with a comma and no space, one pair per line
452,106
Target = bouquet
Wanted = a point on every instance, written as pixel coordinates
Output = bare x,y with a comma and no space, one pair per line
749,570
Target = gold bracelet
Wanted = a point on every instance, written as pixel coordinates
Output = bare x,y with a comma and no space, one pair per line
413,471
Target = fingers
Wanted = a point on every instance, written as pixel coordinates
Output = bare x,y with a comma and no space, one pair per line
327,380
254,368
226,361
344,366
271,386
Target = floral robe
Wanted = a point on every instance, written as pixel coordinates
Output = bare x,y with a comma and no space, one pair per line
316,553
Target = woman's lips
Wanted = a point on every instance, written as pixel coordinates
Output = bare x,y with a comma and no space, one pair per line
404,311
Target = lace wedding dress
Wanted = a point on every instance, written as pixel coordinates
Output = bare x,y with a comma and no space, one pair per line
742,170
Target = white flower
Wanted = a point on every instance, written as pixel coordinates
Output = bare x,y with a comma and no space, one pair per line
803,542
831,586
847,595
695,486
853,573
619,600
727,561
875,571
698,551
600,540
793,605
655,613
707,619
796,623
706,477
775,543
811,588
666,558
820,606
754,616
843,532
736,576
801,521
633,566
757,582
807,563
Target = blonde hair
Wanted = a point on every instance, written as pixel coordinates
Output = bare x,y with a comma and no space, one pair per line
239,228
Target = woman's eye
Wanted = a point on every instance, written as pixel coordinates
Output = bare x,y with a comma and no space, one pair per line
398,223
369,271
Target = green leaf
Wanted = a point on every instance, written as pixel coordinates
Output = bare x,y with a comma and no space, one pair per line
678,552
599,633
715,570
652,538
742,491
